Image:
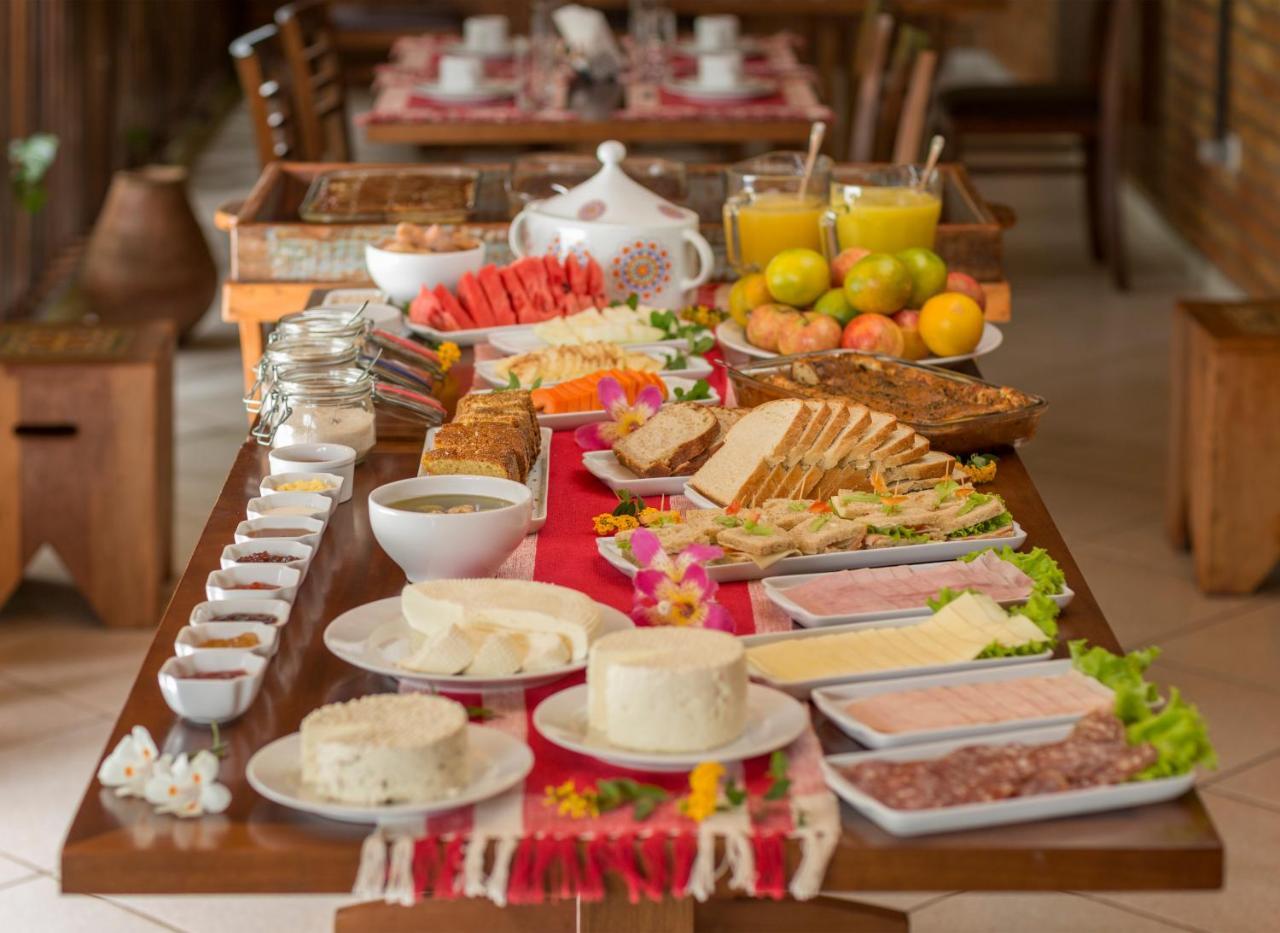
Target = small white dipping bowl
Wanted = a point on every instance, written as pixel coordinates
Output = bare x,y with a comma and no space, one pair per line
291,505
402,275
338,459
234,583
437,545
191,638
273,523
270,485
209,611
206,701
299,554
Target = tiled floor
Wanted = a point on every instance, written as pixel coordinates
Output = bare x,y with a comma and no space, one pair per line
1100,357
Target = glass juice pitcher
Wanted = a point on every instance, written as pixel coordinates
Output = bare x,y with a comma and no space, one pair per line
882,209
765,211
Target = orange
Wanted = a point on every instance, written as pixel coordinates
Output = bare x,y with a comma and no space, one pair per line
797,277
951,324
878,284
834,303
748,292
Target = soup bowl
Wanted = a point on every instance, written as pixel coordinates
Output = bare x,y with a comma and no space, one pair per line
440,545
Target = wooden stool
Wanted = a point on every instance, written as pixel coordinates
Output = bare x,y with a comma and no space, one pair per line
1224,491
86,460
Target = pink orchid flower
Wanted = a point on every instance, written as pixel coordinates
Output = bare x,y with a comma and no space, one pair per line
624,417
675,591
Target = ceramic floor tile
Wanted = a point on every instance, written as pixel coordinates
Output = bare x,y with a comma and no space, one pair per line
243,913
1249,900
13,871
37,905
87,663
1025,913
29,713
894,900
1244,647
41,783
1258,783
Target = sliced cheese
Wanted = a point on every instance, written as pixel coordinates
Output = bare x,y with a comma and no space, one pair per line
547,651
499,654
428,614
528,620
448,651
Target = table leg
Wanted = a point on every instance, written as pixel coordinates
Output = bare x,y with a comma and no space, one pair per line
1175,515
250,350
11,556
820,915
459,916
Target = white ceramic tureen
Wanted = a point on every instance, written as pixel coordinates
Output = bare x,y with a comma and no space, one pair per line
646,245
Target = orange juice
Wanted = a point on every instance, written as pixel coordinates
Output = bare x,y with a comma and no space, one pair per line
769,222
887,219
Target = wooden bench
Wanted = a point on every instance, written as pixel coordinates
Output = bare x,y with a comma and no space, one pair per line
1224,490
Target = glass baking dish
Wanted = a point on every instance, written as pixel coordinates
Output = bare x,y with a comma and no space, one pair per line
437,194
956,435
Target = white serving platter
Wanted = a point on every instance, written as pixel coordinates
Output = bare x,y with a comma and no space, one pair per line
747,88
375,636
604,466
832,700
734,340
835,560
805,687
698,367
774,720
521,338
576,419
498,763
463,338
998,812
539,480
776,588
480,94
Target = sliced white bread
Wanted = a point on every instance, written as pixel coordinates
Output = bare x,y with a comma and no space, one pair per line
843,415
675,435
918,448
726,418
820,413
932,465
830,457
749,450
852,471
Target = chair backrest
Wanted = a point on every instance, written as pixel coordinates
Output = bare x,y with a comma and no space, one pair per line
263,77
315,73
895,85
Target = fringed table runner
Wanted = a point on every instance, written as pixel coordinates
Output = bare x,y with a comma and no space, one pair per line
516,849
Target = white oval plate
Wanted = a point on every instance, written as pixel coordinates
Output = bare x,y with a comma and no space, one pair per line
498,763
698,367
734,339
373,637
576,419
747,88
463,338
539,480
774,720
520,338
604,466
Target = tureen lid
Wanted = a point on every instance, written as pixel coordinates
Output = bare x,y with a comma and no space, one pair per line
610,196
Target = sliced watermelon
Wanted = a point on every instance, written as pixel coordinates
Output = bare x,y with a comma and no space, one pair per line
425,309
576,273
532,275
494,289
520,300
453,310
471,294
595,277
555,274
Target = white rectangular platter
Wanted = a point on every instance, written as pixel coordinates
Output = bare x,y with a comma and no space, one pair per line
604,466
835,560
776,589
463,338
521,339
832,700
539,476
805,687
697,368
998,812
576,419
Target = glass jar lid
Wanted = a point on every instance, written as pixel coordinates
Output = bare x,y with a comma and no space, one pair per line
321,322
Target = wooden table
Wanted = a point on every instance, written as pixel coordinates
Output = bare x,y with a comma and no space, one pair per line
116,847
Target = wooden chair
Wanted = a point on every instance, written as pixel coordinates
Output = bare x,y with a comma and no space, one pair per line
263,77
1092,111
315,75
894,83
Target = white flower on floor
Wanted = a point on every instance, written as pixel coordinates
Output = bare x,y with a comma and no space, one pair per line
188,786
131,763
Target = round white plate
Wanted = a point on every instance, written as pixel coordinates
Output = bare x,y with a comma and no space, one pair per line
489,90
460,47
746,89
773,721
749,46
697,367
498,762
373,637
733,338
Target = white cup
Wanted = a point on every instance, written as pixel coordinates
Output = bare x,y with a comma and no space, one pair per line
715,33
460,72
720,70
486,34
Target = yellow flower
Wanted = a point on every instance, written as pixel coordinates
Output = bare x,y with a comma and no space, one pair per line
569,801
704,788
625,522
449,354
982,474
649,517
604,524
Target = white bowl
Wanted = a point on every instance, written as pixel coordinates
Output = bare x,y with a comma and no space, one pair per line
208,612
270,485
206,701
300,554
191,638
232,584
402,275
434,546
313,505
313,526
338,459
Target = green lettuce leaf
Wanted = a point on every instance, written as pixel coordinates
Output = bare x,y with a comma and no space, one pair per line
946,595
1043,611
1003,520
897,532
973,500
1179,735
1043,570
1119,672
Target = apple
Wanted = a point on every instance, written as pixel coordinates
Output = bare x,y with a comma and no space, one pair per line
817,332
843,262
766,323
967,285
908,322
873,333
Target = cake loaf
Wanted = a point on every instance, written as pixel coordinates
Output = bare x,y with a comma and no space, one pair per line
386,748
667,689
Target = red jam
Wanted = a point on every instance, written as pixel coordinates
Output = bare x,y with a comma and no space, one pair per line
254,586
246,617
214,675
264,557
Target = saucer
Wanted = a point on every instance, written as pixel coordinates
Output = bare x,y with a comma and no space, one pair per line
486,91
748,88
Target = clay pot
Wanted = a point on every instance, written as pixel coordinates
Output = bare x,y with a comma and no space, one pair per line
147,257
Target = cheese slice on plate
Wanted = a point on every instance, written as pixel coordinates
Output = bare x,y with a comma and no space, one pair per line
499,654
448,651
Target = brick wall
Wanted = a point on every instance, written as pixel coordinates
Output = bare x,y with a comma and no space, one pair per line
1233,218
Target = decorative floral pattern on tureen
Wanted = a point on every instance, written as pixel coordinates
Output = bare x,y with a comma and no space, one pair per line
641,268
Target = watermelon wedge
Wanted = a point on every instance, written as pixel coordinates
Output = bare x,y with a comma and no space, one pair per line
595,277
472,296
425,309
453,310
576,273
555,274
520,301
532,274
496,291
